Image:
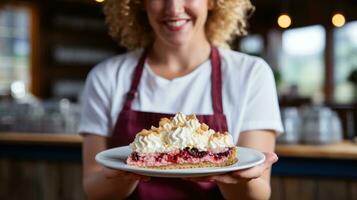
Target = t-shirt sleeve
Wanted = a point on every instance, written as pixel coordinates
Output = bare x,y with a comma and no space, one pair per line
262,107
95,104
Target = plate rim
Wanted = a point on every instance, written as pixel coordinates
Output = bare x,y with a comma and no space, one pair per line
100,158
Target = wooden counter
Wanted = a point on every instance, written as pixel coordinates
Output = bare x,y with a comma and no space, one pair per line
303,171
343,150
41,138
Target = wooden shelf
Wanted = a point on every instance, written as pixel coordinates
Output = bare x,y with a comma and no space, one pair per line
41,138
67,26
343,150
90,39
69,71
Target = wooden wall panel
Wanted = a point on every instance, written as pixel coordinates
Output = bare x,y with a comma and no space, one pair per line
26,181
332,189
307,188
56,180
313,188
71,173
277,189
4,175
49,179
40,180
291,188
352,187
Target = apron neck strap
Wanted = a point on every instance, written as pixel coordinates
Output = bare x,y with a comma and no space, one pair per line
136,80
216,84
216,78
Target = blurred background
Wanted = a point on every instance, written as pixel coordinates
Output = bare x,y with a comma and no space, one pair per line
48,47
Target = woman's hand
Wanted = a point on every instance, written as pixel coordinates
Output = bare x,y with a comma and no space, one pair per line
113,173
241,175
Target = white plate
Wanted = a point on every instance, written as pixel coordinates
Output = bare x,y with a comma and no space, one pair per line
116,158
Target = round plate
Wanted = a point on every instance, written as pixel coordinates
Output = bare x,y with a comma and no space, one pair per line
116,159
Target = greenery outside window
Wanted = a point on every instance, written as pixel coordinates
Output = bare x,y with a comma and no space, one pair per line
301,62
14,51
345,57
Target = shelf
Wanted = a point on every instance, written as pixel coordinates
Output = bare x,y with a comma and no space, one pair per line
79,37
343,150
68,71
40,138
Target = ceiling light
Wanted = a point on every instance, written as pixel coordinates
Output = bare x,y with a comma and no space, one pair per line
284,21
338,20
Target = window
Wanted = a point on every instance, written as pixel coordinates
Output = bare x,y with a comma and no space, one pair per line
14,51
301,62
345,57
252,44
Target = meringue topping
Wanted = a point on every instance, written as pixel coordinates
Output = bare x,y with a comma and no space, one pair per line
179,132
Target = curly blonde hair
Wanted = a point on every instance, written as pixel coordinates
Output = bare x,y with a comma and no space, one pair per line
130,27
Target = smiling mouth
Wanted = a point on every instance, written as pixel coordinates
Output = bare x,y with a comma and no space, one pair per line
176,25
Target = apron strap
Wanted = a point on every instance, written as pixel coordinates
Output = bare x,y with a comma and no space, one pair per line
216,82
216,78
135,81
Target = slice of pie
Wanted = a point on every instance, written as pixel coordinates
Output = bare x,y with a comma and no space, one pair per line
182,142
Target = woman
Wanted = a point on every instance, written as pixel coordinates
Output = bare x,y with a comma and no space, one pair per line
180,70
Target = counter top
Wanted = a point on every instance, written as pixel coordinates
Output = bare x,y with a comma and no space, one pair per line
343,150
41,138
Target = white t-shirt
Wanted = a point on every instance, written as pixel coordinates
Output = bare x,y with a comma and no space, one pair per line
249,93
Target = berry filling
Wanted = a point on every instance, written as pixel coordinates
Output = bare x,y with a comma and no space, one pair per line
187,155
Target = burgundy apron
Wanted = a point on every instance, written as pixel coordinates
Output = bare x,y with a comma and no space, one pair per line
130,122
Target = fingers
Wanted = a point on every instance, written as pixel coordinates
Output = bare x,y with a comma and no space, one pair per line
240,175
255,172
112,173
222,178
271,157
227,179
200,179
145,178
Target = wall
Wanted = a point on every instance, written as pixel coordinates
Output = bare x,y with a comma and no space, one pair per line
52,180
